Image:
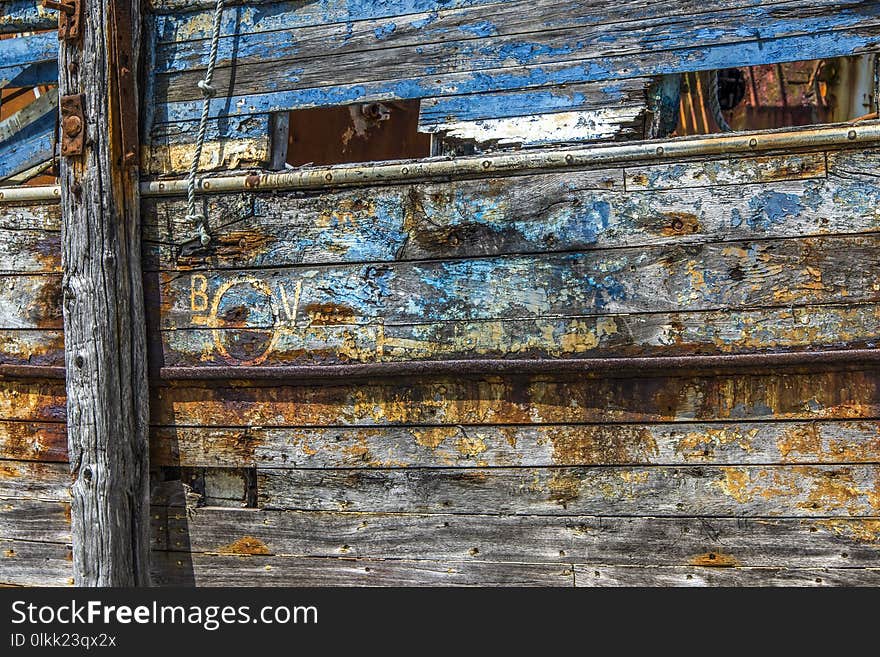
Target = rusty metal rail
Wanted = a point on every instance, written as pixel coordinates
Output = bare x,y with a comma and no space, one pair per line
624,366
314,178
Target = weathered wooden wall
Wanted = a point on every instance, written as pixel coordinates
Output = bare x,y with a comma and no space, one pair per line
569,71
552,479
705,477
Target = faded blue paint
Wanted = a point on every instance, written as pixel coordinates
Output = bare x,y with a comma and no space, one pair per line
24,16
30,146
384,31
18,53
480,29
772,207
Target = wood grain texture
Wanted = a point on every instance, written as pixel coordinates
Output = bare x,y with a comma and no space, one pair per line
105,343
525,446
672,278
174,569
802,490
524,55
32,563
523,400
34,520
774,542
701,576
531,214
33,480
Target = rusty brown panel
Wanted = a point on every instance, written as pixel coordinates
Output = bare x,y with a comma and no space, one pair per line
33,441
36,400
522,400
32,348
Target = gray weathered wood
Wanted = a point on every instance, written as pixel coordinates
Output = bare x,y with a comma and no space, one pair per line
792,542
34,520
176,569
34,563
104,316
34,480
533,446
735,490
602,575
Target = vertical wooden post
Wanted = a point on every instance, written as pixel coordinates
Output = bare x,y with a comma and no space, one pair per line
104,332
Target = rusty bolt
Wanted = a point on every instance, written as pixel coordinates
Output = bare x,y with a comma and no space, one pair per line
678,224
454,240
72,126
253,180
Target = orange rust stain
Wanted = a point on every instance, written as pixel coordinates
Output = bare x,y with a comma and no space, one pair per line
328,314
736,484
697,445
861,530
836,489
640,179
9,472
801,439
715,560
564,487
28,442
680,223
470,447
9,553
598,445
432,438
246,545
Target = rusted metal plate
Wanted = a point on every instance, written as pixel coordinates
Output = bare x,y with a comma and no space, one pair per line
73,125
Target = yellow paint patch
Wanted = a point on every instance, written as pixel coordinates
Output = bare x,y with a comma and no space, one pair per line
864,531
736,484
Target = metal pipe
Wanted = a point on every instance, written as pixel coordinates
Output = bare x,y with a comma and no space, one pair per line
743,143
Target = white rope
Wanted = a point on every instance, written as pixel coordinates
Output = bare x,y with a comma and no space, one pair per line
208,92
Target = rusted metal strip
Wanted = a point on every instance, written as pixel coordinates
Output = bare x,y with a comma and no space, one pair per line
539,160
603,366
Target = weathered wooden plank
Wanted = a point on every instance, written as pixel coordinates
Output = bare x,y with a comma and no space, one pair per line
323,342
21,51
602,575
517,61
523,400
29,251
32,347
532,446
526,25
801,490
541,213
176,569
39,401
230,143
569,98
104,318
34,520
613,123
34,480
728,171
33,441
31,301
671,278
32,563
25,16
790,542
30,217
34,144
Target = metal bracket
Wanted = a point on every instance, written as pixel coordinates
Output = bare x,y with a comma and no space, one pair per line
69,18
73,125
126,102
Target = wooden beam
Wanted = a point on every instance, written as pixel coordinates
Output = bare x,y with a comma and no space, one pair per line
103,310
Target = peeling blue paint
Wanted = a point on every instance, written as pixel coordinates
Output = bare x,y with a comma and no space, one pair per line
772,207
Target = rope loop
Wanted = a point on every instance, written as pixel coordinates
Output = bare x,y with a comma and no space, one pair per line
199,220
